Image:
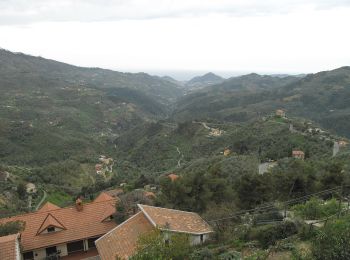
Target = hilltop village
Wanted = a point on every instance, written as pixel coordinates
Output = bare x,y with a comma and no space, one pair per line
116,222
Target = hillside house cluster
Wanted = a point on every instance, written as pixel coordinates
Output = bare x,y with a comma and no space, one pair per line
88,231
105,165
298,154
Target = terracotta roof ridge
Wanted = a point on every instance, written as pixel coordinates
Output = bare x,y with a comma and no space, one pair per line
126,221
171,229
8,238
54,210
183,211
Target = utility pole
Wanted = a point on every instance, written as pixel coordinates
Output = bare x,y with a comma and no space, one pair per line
340,200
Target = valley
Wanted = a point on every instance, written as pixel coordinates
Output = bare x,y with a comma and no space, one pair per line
232,144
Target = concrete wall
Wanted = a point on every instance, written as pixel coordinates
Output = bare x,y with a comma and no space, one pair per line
196,239
18,250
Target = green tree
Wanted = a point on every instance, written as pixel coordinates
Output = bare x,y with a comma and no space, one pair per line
21,190
11,228
332,242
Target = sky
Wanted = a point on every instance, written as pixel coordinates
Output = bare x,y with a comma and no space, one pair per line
182,38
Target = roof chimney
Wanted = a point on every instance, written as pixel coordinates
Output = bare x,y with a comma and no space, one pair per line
79,204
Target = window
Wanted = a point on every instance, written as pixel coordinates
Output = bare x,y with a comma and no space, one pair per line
77,246
202,238
51,251
50,229
28,255
91,242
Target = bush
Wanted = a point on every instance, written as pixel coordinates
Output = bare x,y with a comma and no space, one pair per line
332,242
11,228
316,208
269,234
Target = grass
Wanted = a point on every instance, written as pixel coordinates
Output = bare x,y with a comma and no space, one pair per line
59,198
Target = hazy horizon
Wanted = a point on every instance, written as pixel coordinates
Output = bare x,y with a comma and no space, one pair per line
162,35
180,75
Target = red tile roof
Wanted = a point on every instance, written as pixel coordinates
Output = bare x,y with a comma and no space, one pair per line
103,197
8,248
298,152
122,240
78,224
50,221
173,176
176,220
48,206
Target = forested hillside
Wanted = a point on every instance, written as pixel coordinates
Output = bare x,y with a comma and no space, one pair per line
322,97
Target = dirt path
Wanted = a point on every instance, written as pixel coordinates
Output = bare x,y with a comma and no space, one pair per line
335,148
181,156
41,201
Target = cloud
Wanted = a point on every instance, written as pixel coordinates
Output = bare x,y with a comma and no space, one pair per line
32,11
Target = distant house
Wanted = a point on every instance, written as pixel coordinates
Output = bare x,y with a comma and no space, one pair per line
150,194
227,152
173,177
4,176
298,154
9,247
31,188
280,113
121,242
106,161
343,143
71,231
98,168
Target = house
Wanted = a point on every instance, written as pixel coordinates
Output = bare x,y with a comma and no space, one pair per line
9,247
298,154
4,176
122,241
149,194
227,152
98,168
173,177
280,113
31,188
65,232
343,143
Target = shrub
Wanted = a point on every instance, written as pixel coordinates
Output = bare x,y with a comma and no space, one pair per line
269,234
11,228
316,208
332,242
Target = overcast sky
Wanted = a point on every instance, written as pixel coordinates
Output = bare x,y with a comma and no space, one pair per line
224,36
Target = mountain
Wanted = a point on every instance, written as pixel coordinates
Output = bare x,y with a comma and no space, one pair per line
322,97
51,111
204,81
174,81
164,147
226,101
